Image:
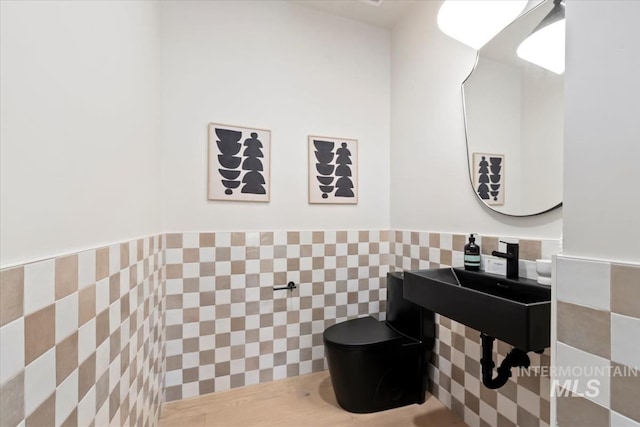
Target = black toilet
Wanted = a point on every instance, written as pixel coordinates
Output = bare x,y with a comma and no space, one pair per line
377,365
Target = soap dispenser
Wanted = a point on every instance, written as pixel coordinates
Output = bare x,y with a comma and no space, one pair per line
472,255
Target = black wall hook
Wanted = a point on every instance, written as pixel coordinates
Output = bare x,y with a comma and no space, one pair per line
291,286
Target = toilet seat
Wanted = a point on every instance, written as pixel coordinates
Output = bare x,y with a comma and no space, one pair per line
362,332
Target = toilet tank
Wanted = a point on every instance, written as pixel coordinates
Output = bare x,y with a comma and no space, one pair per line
402,315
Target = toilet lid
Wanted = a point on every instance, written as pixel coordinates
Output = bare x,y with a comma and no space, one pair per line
364,331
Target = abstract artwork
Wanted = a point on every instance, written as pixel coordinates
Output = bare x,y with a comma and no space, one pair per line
488,173
333,170
239,163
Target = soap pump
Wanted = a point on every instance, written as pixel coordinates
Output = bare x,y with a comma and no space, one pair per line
472,255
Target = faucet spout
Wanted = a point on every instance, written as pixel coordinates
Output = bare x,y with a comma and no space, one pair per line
512,255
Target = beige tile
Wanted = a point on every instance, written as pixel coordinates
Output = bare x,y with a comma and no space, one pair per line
341,237
102,263
445,257
207,240
114,401
458,242
266,238
585,328
207,298
174,271
434,240
12,291
174,240
66,357
530,249
140,250
625,289
45,414
39,329
124,255
238,267
625,390
86,304
12,401
102,327
66,281
191,255
293,237
238,239
318,237
86,375
489,244
575,411
114,288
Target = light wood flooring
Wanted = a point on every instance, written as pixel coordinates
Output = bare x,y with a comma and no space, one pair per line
304,401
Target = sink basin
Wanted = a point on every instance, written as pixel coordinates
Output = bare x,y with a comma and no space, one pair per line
517,312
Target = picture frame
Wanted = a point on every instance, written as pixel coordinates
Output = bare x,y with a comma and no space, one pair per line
333,170
239,163
488,177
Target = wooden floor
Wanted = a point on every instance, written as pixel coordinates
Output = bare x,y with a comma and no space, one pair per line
303,401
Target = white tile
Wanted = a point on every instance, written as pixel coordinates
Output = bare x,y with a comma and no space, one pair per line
252,238
625,345
102,416
86,268
102,358
528,400
39,381
39,285
191,240
114,316
102,295
584,282
446,241
87,408
618,420
507,408
549,248
223,239
588,373
86,340
66,316
66,397
11,349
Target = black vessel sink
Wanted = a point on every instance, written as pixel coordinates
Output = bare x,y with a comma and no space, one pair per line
517,312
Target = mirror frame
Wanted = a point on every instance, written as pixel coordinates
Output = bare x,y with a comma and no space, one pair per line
466,136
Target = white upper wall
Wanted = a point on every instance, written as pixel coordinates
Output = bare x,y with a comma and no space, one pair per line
81,153
279,66
430,188
602,146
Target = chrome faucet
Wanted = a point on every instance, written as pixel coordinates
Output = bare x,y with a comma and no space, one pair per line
512,254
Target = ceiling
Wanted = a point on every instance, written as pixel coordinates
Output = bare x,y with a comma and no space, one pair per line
383,13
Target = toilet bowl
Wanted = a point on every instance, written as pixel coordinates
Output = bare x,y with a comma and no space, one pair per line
378,365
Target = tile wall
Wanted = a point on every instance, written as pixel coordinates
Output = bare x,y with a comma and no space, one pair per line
598,341
455,375
83,338
227,327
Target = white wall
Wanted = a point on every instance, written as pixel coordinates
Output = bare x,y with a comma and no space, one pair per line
278,66
430,187
81,158
602,146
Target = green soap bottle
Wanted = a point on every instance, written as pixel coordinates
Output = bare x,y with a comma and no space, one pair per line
472,255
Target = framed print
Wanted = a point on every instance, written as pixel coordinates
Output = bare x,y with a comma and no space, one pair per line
239,163
488,177
333,170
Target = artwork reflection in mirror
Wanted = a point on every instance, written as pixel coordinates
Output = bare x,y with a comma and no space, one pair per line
515,108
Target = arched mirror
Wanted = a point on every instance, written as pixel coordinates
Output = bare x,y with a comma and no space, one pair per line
514,117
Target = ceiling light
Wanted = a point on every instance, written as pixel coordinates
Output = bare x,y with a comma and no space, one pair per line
545,46
475,22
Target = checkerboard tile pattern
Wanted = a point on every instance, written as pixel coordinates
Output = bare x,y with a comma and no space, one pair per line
598,323
227,327
455,373
82,338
